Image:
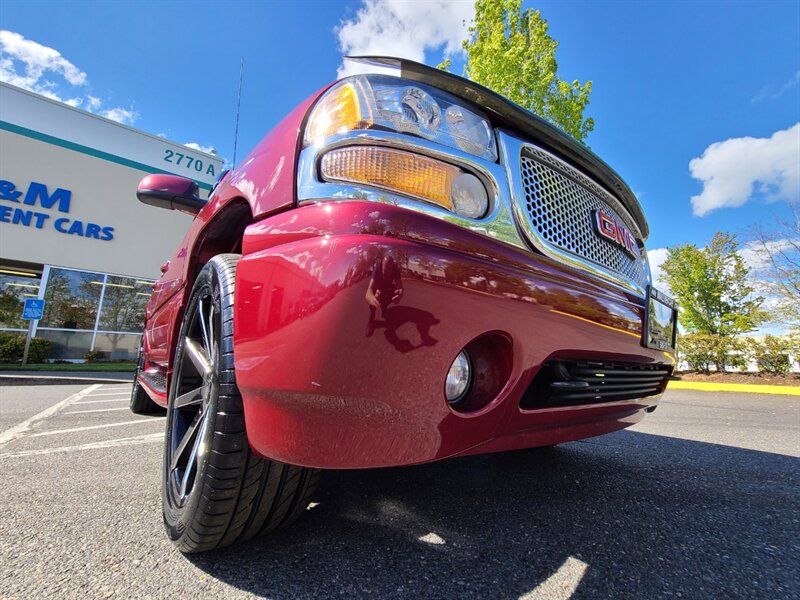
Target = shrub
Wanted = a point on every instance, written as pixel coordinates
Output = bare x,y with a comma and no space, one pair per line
697,350
38,351
12,348
94,356
772,353
735,352
703,351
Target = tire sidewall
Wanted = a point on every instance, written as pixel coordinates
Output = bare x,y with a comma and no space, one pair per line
136,390
178,518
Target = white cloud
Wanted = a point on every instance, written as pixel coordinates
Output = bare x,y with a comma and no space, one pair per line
121,115
38,60
656,257
757,257
37,68
201,148
765,92
403,28
734,170
794,81
752,253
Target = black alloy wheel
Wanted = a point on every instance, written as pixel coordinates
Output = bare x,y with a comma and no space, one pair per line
215,491
195,384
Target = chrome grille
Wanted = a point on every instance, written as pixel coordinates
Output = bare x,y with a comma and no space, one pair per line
558,206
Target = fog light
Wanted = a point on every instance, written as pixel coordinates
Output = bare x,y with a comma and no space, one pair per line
468,196
458,378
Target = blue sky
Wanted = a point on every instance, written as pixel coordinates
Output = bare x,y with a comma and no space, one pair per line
670,79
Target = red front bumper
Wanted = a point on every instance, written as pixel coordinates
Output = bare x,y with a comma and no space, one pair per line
329,382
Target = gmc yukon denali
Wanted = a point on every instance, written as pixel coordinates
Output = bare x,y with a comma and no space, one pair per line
407,268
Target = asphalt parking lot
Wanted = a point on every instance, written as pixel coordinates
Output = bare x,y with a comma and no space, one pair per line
701,500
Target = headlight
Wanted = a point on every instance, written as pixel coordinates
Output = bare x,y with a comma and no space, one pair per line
383,102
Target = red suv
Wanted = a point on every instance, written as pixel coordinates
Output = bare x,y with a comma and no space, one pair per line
405,269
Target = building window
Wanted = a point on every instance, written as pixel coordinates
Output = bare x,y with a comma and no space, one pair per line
124,301
15,286
71,299
67,345
84,311
117,346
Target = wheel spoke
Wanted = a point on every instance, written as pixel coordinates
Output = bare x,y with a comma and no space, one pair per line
189,398
187,439
205,329
191,464
211,337
198,356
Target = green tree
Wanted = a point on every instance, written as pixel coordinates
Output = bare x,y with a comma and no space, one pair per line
712,288
510,52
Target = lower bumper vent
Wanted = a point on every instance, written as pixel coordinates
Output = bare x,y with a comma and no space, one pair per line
569,383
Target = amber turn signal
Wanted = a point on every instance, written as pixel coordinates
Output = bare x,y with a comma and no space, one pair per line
395,170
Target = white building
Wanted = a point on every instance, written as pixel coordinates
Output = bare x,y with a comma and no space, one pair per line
71,229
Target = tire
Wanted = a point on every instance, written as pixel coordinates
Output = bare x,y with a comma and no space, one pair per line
215,491
141,403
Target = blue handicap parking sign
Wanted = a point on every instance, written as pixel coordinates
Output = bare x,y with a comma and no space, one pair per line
33,310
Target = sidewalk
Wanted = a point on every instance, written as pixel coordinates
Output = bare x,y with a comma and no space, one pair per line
62,377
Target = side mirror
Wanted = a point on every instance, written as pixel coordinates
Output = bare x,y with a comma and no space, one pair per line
171,192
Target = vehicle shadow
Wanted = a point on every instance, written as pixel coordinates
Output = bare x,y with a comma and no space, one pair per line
626,515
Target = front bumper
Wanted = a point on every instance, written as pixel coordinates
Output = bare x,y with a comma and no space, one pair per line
329,381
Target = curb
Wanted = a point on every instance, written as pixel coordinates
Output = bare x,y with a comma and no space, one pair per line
57,380
747,388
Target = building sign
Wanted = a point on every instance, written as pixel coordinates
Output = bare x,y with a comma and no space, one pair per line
25,208
189,163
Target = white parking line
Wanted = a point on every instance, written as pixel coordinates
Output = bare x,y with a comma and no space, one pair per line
117,393
561,584
94,410
131,441
74,429
18,430
101,401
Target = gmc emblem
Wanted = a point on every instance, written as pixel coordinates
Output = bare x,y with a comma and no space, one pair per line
609,228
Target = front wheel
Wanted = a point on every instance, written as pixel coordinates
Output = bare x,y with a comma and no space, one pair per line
215,491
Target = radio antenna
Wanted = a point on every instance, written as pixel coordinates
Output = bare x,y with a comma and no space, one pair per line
238,104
